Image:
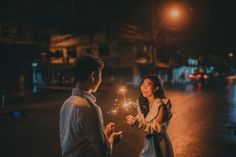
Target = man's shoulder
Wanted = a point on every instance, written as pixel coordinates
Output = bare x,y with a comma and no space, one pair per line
78,101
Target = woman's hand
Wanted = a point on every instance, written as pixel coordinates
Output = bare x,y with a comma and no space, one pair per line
109,129
130,120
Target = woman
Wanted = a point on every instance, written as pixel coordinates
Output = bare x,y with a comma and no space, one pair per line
153,118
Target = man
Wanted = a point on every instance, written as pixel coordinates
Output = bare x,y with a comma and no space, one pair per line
82,133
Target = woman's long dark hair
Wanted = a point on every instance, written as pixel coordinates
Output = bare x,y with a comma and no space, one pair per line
143,102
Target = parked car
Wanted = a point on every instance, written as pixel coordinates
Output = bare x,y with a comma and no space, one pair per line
199,77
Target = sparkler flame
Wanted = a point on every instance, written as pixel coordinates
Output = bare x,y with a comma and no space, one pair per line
122,90
122,103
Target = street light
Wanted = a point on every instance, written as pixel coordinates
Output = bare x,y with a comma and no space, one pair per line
174,13
231,54
170,17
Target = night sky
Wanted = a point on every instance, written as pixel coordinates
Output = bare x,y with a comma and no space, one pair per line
210,25
208,15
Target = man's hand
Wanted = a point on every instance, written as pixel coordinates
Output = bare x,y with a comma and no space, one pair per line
130,120
109,129
115,137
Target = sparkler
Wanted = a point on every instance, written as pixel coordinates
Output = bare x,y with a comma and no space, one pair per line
122,102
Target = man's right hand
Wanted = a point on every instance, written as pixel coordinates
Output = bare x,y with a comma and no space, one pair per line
109,129
115,137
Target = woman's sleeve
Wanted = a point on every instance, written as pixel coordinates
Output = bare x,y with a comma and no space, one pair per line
150,126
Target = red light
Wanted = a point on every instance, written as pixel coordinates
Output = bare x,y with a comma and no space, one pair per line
199,76
205,76
191,76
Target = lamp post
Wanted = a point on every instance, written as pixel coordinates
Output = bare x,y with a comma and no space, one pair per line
173,14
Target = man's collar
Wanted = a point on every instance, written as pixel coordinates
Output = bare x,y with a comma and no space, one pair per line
79,92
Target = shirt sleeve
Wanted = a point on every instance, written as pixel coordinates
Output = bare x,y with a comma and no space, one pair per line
94,132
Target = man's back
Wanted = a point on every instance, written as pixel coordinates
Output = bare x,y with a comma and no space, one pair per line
81,131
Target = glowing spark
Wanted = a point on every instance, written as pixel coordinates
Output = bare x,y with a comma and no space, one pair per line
122,90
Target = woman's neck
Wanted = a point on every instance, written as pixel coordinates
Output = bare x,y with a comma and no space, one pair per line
150,100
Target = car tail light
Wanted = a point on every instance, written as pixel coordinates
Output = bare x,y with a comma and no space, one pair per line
199,76
191,76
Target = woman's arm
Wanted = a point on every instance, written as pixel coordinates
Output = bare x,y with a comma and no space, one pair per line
160,115
155,125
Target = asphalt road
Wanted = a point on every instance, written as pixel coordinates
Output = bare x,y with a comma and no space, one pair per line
203,125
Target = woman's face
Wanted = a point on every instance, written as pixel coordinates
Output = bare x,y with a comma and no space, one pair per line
147,88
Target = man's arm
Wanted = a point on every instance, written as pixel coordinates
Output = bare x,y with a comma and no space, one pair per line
95,133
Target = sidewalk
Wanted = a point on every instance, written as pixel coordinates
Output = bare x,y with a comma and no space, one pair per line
52,96
33,101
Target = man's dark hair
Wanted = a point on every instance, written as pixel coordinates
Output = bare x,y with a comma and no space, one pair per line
85,65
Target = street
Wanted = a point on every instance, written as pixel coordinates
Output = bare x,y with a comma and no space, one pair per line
203,125
48,47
